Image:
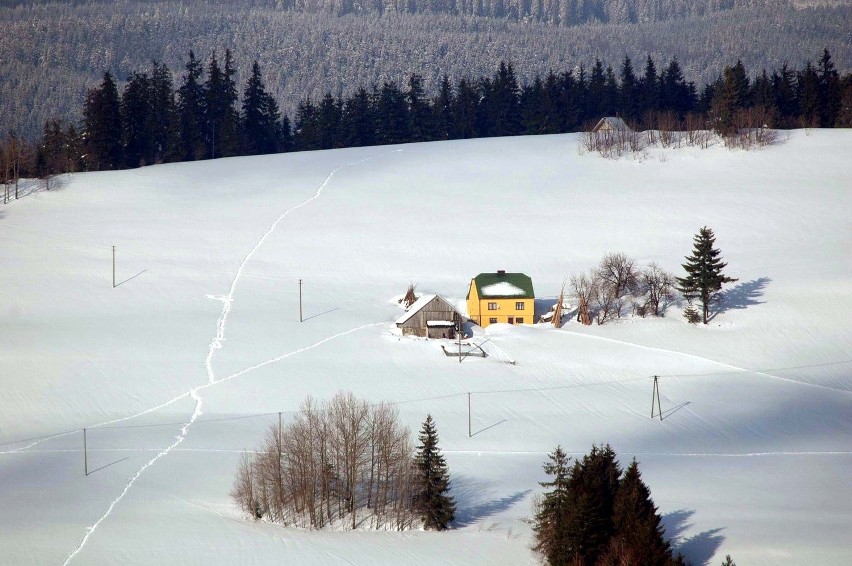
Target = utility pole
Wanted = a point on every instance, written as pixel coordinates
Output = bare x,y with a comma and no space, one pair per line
655,398
468,415
85,454
113,267
300,300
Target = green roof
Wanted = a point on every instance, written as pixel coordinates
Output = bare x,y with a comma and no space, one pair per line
501,286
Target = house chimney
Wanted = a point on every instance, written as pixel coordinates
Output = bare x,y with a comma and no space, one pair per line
501,272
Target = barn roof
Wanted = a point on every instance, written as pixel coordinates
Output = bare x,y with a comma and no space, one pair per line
504,286
419,304
614,122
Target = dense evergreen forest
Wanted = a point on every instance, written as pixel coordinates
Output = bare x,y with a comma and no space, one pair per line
54,52
152,121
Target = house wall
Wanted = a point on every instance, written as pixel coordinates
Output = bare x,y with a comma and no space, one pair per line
506,309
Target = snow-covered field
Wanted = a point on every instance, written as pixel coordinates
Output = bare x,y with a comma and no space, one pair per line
190,358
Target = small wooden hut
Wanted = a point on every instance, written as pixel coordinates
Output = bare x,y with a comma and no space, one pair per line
431,316
611,124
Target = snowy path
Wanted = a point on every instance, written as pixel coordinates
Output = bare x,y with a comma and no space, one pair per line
215,344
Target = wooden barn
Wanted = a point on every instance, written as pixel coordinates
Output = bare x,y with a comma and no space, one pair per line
431,316
611,124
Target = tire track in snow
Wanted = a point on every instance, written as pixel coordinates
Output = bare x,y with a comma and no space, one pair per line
216,344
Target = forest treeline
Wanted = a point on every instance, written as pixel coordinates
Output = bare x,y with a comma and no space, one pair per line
53,53
152,121
561,12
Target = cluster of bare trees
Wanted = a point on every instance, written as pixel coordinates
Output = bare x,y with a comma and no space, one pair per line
617,286
345,464
613,143
667,131
751,128
13,155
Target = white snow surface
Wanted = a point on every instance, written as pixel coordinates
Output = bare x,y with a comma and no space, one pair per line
189,359
502,289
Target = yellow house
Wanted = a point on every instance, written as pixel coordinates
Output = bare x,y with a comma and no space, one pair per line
501,297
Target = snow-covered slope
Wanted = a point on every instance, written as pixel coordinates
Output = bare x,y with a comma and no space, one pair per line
190,358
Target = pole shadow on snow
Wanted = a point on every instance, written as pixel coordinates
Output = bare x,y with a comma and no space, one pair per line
669,412
488,427
129,278
698,549
307,318
742,296
470,509
107,465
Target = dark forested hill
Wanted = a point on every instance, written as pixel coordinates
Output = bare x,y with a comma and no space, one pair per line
53,52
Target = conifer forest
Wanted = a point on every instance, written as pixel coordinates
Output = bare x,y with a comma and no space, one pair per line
55,52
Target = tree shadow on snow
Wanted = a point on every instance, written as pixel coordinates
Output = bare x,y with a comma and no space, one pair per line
742,296
470,508
698,549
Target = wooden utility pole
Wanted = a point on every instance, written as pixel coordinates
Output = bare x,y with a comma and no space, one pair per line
468,415
113,267
85,454
655,398
300,300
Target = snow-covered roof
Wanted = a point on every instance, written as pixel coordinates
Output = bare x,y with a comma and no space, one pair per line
415,306
502,284
502,289
611,123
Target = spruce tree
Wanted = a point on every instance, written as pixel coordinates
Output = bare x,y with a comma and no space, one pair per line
552,514
136,120
431,497
704,277
637,525
102,125
191,112
260,117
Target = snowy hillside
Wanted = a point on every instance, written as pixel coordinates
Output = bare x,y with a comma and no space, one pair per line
190,358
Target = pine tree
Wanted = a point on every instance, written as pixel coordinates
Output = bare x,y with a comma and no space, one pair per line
830,94
703,268
136,120
102,125
637,524
261,125
628,99
437,508
190,110
164,123
594,484
728,561
442,108
220,113
552,513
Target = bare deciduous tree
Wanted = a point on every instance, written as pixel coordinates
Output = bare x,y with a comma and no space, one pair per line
344,463
618,271
658,287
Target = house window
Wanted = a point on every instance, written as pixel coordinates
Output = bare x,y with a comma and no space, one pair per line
492,320
519,320
492,306
519,306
